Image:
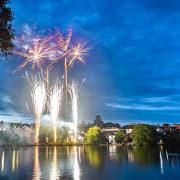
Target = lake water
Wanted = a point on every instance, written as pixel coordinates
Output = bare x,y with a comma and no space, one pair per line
88,163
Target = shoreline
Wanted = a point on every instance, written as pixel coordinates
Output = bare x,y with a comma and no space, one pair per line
89,145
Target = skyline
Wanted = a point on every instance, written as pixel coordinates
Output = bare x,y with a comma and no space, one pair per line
132,72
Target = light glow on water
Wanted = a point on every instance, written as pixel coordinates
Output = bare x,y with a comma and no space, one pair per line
2,162
81,162
36,172
76,171
55,173
13,160
161,163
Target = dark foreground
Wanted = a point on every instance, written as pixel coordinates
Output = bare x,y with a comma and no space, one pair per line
88,163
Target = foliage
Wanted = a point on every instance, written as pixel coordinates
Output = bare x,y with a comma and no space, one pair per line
119,136
95,136
102,138
6,31
144,135
11,138
46,134
65,135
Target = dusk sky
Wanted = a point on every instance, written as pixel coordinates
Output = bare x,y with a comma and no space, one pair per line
133,70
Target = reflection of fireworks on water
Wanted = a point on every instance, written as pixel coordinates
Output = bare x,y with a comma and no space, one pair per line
74,96
54,171
55,102
36,172
38,95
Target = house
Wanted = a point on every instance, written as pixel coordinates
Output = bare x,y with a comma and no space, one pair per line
176,127
166,128
159,129
2,126
128,128
110,129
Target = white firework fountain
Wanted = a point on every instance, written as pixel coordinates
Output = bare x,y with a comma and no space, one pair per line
55,104
38,95
74,98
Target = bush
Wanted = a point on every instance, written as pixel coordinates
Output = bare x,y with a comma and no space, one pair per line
119,136
95,136
144,135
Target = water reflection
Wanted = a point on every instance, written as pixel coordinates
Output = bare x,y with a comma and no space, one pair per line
78,163
15,160
161,162
113,152
167,156
94,156
2,162
36,172
76,172
55,173
47,152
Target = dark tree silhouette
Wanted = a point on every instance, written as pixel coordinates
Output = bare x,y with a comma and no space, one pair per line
6,31
98,121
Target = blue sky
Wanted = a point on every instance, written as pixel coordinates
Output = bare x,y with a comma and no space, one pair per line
132,73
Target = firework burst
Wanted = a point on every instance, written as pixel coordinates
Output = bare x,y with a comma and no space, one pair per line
68,52
36,52
77,53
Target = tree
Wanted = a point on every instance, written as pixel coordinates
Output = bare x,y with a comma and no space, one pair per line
119,136
98,121
95,136
144,135
46,131
102,138
6,31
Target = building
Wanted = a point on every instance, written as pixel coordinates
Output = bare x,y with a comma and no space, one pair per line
19,129
159,129
2,126
110,129
128,128
166,128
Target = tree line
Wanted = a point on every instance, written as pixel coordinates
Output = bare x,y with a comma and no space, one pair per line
6,30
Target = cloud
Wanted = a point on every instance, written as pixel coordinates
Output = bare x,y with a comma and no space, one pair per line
14,117
143,107
136,59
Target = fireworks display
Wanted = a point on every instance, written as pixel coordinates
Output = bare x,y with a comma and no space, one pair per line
67,51
53,48
55,103
47,51
38,95
69,54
